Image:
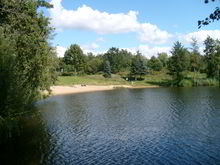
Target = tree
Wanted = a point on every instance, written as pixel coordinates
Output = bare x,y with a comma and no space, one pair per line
212,17
163,57
94,64
119,60
107,69
195,57
27,61
217,60
112,56
155,64
75,58
212,57
7,66
126,58
61,65
138,66
179,61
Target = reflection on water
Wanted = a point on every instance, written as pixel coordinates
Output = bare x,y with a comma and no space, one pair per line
138,126
28,143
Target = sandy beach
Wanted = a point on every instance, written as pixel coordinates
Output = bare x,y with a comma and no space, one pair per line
61,90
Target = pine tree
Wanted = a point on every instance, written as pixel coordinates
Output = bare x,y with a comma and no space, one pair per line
107,69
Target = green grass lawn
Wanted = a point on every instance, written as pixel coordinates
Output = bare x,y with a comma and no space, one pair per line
149,80
161,78
91,80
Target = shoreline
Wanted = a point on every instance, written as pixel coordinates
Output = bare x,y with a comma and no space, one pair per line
74,89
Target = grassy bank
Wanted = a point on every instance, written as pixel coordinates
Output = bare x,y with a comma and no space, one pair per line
155,79
161,78
91,80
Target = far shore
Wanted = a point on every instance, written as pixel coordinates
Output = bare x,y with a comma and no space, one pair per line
62,90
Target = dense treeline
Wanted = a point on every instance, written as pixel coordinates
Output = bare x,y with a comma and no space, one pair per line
120,61
27,61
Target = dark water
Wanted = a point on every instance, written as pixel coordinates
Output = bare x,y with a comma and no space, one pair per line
139,126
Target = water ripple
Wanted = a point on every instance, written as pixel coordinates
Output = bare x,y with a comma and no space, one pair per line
143,126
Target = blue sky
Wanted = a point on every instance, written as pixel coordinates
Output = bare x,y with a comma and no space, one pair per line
148,26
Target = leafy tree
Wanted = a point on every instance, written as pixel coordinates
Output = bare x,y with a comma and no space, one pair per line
212,17
195,57
107,69
27,61
179,61
119,59
163,57
138,66
75,58
212,57
114,59
155,64
94,64
61,64
112,56
7,66
126,58
217,60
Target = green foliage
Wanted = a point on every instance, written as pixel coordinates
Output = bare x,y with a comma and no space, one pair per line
112,56
43,3
94,64
212,57
155,64
185,83
179,61
107,69
68,74
196,63
119,59
205,82
27,61
163,57
138,66
214,16
196,79
75,58
186,67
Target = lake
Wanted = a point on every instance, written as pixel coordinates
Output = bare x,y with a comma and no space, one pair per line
124,126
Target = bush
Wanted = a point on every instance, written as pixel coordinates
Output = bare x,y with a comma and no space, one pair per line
195,75
106,75
68,74
205,82
185,83
209,82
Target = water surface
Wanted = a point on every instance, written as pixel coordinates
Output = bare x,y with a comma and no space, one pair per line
132,126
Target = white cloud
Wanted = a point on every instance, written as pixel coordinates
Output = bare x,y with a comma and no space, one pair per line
153,51
201,35
60,51
90,48
100,39
201,50
94,52
148,51
87,18
152,34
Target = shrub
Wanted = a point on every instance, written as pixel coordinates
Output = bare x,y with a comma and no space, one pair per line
185,83
68,74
